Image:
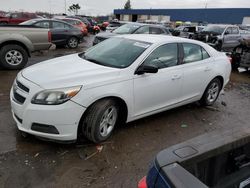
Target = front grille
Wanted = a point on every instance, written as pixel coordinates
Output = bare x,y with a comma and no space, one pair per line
21,86
18,86
18,98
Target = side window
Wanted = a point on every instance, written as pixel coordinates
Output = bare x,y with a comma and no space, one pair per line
155,30
16,15
57,25
204,54
192,53
164,56
235,30
142,30
67,26
44,24
229,31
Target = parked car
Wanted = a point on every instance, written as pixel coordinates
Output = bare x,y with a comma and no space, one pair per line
77,23
62,32
88,94
190,31
16,18
17,43
114,25
132,28
220,159
221,37
241,54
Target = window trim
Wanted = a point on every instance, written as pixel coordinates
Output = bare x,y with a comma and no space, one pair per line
183,54
178,55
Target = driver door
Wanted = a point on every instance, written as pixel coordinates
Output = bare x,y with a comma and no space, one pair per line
154,91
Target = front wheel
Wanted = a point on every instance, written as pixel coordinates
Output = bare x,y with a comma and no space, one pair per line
13,57
100,120
73,42
211,93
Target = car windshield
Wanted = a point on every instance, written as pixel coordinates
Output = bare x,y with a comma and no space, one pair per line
115,52
215,29
29,22
126,29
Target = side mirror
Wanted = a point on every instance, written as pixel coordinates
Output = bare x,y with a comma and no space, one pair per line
146,69
226,33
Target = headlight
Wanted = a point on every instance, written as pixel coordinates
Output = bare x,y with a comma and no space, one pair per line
55,96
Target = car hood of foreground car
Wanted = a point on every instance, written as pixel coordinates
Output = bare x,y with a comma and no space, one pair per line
69,71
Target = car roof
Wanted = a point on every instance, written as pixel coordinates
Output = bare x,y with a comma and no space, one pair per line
45,19
157,38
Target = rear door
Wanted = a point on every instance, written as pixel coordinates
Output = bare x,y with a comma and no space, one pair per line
197,71
59,33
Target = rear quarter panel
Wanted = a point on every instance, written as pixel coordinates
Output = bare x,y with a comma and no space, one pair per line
34,38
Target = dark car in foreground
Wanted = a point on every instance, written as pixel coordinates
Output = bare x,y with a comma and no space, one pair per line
132,28
62,32
219,159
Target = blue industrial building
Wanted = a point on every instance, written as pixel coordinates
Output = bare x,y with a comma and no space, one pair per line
215,15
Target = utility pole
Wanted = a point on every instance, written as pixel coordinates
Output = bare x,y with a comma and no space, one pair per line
65,7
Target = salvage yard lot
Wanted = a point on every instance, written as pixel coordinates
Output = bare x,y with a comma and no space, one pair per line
125,157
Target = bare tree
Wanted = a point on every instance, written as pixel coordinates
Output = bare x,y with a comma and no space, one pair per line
74,8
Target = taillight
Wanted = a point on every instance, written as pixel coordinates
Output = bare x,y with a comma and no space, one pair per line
142,183
230,59
49,36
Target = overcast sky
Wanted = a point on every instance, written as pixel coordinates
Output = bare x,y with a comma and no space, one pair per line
102,7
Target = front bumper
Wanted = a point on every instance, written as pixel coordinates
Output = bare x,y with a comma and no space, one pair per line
64,118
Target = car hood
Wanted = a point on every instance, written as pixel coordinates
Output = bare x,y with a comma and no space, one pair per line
105,35
69,71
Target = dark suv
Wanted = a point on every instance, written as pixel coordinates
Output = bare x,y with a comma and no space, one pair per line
219,159
133,28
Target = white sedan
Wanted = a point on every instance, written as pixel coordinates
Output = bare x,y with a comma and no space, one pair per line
119,80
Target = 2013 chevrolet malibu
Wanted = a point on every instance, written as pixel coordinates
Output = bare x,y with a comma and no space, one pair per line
120,80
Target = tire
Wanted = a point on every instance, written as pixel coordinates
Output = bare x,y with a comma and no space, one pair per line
13,57
98,114
73,42
211,93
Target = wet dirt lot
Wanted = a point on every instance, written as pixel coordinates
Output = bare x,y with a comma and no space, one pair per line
125,157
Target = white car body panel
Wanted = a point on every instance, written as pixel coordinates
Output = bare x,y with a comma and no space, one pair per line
144,94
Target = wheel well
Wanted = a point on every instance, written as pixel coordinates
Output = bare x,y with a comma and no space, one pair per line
16,43
221,80
123,114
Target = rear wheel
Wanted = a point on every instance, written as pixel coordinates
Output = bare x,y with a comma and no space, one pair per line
13,57
211,93
73,42
100,120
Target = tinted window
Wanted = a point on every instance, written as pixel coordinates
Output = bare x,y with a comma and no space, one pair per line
58,25
192,53
164,56
155,30
44,24
142,30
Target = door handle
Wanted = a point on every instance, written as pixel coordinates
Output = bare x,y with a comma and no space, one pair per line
207,69
176,77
